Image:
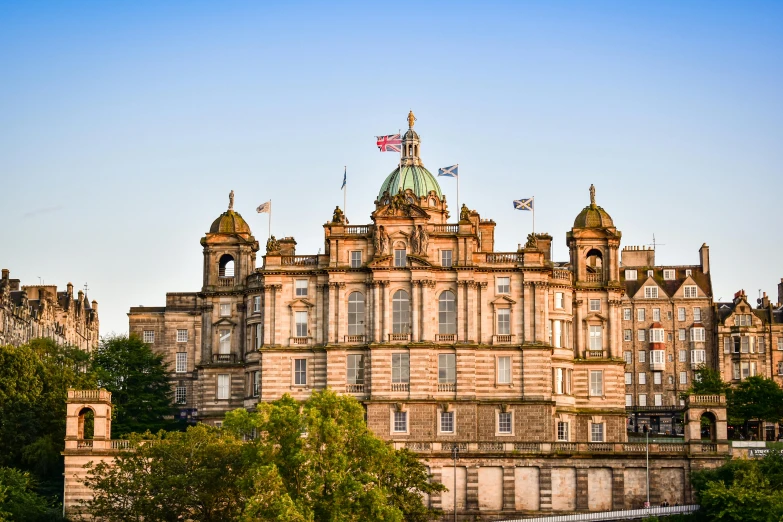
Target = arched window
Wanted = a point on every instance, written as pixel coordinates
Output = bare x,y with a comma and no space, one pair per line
401,312
594,261
86,427
447,313
226,266
356,313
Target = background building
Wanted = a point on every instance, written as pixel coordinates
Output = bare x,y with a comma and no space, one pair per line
33,311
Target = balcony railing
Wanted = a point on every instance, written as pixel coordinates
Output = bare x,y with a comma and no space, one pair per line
445,229
418,446
400,387
564,446
301,341
561,274
90,395
399,337
502,339
528,447
358,230
497,258
706,399
490,446
84,444
356,339
446,338
594,278
354,388
447,387
224,358
596,354
120,444
600,447
299,260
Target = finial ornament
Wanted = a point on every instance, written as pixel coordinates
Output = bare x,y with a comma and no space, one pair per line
592,194
231,200
411,119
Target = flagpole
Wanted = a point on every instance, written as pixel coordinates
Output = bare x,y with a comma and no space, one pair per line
269,232
457,187
533,200
345,189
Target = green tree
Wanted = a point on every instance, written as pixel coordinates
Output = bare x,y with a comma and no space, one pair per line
138,380
707,381
755,398
317,461
193,475
18,500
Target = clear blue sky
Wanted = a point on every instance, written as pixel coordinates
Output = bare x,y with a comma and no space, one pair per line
123,126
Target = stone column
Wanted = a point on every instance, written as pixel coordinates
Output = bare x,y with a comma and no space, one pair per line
481,323
369,312
613,347
319,313
426,310
462,302
267,315
279,316
578,329
338,305
377,312
472,317
415,315
386,305
527,306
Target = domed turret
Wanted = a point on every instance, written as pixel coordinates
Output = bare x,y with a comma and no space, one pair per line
411,174
230,222
593,216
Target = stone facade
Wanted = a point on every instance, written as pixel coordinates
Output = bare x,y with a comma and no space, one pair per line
515,359
32,311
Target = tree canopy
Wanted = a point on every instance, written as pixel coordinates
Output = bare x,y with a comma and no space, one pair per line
755,398
19,502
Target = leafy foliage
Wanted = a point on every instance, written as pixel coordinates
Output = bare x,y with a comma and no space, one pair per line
319,462
138,380
707,382
18,500
755,398
172,476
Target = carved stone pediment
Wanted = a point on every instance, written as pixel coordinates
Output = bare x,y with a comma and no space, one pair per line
225,321
418,261
399,205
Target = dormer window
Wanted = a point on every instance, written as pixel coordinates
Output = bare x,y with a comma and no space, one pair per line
742,320
689,291
651,292
688,272
650,273
630,275
668,274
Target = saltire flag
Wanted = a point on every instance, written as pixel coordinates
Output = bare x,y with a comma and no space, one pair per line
449,172
390,143
345,178
523,204
265,207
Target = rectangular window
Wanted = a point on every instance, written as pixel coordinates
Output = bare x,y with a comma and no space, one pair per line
559,301
256,303
259,334
681,334
780,343
668,275
742,320
149,336
696,314
628,399
698,356
181,395
628,357
683,356
596,342
656,335
447,422
504,321
355,368
596,432
504,285
301,324
225,341
225,309
223,382
504,370
689,291
401,420
356,258
595,305
447,368
557,334
651,273
735,371
400,258
504,422
656,314
745,370
631,275
627,335
568,381
780,368
681,313
640,315
640,335
596,383
697,334
642,356
745,344
656,377
657,357
628,378
301,288
558,380
182,362
256,383
658,399
727,344
562,431
400,368
642,399
761,344
300,372
182,336
626,314
642,378
683,377
445,258
651,292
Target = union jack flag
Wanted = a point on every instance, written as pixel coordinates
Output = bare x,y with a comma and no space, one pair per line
391,143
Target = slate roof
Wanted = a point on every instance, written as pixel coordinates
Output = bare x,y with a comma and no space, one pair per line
669,286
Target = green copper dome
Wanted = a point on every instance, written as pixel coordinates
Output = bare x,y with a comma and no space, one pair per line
414,177
593,216
229,222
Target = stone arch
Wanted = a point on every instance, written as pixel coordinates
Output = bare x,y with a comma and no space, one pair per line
594,261
85,423
708,422
226,266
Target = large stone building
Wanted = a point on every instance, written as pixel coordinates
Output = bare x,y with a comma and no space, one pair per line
517,360
32,311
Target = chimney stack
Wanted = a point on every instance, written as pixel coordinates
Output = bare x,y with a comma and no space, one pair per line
704,257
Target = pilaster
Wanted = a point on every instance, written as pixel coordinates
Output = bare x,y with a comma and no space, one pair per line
415,312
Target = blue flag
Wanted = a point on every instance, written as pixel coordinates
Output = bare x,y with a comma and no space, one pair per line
523,204
449,172
345,178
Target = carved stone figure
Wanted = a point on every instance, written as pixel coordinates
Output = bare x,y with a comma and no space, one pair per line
272,246
592,194
411,119
380,241
414,240
464,213
338,216
231,200
424,240
531,241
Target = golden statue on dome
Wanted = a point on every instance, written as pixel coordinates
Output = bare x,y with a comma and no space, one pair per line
411,119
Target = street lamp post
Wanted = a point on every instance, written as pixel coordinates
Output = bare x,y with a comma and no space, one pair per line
455,456
647,437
